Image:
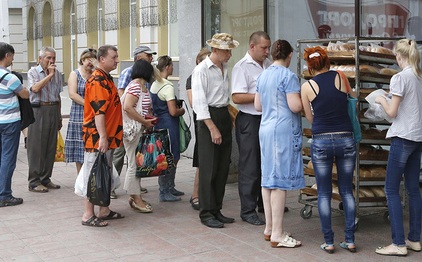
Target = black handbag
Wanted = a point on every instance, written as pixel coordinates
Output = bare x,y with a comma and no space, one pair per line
99,182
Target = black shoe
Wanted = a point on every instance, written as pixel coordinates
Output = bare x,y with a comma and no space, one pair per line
212,222
194,203
12,201
223,219
254,220
286,209
176,192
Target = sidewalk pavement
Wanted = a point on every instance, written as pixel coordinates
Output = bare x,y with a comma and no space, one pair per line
47,227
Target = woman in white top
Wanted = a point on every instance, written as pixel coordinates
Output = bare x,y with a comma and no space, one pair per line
405,150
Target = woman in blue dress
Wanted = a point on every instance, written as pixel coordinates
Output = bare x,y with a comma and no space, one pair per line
165,108
74,146
280,137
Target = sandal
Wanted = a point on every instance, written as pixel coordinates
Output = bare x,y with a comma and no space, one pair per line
346,246
94,222
112,215
326,249
194,201
38,189
268,237
287,242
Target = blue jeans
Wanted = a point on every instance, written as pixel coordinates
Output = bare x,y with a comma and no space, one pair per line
325,149
9,143
404,160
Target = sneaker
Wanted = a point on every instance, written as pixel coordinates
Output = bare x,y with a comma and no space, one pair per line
113,195
12,201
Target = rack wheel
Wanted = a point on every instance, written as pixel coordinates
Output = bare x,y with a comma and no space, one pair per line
306,212
387,217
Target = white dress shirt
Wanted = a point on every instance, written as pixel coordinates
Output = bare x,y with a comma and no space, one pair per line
210,87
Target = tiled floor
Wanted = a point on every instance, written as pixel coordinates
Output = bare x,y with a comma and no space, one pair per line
47,227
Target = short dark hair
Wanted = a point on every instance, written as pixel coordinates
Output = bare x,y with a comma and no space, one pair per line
5,48
142,69
103,50
256,36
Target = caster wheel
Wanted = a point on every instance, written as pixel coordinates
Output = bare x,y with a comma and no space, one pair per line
306,212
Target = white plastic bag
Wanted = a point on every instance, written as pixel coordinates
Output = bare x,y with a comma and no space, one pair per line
375,111
82,180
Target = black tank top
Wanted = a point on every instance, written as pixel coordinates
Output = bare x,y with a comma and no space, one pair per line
329,106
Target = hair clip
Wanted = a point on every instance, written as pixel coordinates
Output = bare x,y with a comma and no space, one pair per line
316,54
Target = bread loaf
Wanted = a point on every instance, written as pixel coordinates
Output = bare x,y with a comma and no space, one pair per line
388,71
378,172
310,166
368,69
314,186
378,191
367,192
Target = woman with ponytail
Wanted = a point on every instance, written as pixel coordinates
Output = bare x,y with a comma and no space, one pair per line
405,150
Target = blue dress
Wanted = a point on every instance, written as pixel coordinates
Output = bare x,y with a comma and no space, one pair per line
280,132
74,146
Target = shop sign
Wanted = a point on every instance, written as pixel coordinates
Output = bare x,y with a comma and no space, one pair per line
336,19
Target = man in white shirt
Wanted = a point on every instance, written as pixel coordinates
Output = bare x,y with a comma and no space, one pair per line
210,96
244,75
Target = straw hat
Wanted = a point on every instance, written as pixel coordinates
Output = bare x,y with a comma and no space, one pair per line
222,41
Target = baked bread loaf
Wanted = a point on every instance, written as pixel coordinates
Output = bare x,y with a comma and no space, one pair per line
378,191
314,186
367,192
388,71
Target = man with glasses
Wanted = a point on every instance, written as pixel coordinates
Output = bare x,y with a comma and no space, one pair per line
141,52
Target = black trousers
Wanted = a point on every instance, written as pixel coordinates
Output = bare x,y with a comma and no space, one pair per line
249,168
214,163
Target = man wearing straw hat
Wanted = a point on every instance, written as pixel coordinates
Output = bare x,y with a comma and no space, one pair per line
210,96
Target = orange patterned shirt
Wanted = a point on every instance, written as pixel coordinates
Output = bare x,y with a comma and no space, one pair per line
101,97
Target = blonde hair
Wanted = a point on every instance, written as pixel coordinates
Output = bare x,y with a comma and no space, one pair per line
408,50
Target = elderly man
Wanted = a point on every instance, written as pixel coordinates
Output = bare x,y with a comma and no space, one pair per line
210,96
102,127
10,89
45,84
141,52
244,75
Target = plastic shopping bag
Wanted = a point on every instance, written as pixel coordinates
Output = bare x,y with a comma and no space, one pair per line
99,182
153,154
59,149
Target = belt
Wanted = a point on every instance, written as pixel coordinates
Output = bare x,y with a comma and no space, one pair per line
247,114
333,135
48,103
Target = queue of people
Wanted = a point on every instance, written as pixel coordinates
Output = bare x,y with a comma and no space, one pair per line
268,132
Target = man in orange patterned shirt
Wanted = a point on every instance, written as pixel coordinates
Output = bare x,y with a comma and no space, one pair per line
102,127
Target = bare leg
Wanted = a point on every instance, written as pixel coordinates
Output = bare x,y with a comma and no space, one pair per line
195,193
78,167
89,212
266,199
278,202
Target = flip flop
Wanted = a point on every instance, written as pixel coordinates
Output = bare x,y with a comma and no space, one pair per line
112,215
94,222
346,246
324,247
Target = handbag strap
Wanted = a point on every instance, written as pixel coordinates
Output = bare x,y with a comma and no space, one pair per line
1,79
187,110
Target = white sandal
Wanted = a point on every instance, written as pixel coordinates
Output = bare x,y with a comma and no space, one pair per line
287,242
